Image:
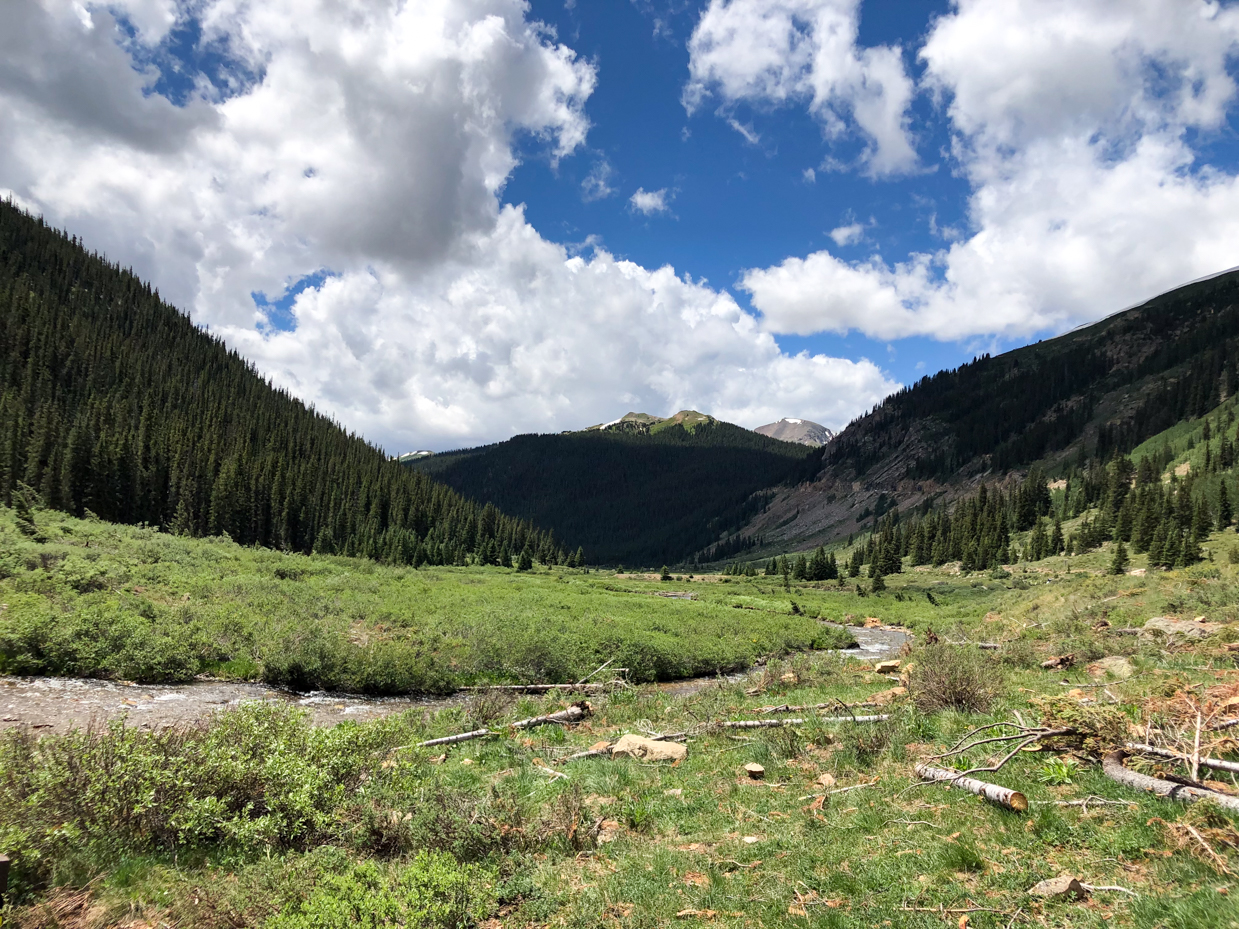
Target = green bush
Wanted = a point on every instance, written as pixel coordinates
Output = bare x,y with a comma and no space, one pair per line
432,891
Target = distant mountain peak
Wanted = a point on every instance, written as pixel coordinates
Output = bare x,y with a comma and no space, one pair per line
800,431
648,423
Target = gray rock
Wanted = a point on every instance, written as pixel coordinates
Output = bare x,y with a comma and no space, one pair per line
1062,886
1179,630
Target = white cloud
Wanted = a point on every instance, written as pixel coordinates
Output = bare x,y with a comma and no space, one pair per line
1071,122
809,175
375,146
649,202
597,184
848,235
782,51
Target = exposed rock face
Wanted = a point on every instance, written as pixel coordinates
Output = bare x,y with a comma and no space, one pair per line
800,431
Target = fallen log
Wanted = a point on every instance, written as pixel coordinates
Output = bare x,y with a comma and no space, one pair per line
1112,766
1001,796
572,714
542,688
768,723
1216,764
459,737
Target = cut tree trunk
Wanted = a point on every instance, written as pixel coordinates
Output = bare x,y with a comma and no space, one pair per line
1002,796
1117,772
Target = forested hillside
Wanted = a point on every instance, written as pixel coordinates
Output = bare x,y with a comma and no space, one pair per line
1087,395
635,497
113,402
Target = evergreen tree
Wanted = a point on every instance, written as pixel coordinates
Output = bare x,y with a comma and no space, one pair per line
1225,516
525,562
1118,565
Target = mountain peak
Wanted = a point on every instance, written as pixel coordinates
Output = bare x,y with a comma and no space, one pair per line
800,431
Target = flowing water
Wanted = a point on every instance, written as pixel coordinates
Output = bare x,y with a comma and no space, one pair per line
60,703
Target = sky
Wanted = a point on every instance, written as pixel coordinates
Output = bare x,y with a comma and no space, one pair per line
446,222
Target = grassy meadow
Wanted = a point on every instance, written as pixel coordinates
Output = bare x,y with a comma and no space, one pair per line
259,819
93,599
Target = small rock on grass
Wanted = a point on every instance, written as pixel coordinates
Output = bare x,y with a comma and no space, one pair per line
754,770
886,667
826,780
1117,667
1062,886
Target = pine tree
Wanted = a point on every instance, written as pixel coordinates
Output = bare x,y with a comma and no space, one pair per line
1224,513
665,574
525,562
1118,565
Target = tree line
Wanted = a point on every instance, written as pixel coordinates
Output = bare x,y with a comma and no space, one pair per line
114,403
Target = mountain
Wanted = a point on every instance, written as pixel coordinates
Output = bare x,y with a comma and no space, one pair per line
114,403
645,424
1087,395
641,490
801,431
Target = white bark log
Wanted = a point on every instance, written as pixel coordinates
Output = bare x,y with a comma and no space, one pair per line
1216,764
1002,796
574,714
1114,769
459,737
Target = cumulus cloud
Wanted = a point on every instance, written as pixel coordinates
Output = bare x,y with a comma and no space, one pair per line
781,51
848,235
649,202
366,158
1075,123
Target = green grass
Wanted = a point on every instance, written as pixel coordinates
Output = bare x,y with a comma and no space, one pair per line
259,819
99,600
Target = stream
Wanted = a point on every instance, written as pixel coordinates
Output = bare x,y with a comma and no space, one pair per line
57,704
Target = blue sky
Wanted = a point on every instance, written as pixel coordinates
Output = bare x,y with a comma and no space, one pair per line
737,205
451,221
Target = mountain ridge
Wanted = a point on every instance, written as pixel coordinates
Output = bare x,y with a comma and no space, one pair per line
1094,391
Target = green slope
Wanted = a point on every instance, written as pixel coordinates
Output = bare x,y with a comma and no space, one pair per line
642,494
112,401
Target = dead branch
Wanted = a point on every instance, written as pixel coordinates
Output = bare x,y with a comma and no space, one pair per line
833,704
1113,767
574,714
1093,888
1216,764
1002,796
460,737
771,723
544,688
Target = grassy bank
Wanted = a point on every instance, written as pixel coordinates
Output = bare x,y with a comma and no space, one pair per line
93,599
260,820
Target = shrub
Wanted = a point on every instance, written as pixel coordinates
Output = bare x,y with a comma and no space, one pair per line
953,677
430,892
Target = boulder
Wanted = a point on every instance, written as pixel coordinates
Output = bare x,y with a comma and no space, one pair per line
886,667
754,770
635,746
1178,630
1116,667
883,697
